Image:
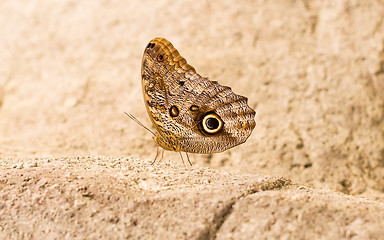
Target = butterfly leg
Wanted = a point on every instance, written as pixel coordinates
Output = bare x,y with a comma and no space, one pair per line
157,153
162,155
182,159
188,159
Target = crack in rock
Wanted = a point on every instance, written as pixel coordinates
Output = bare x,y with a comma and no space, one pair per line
221,216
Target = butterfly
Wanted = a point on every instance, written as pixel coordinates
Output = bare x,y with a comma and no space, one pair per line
190,113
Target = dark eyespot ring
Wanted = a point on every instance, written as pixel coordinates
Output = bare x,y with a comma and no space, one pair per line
174,111
212,123
160,58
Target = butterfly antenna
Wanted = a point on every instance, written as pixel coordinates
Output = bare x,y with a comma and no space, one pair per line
138,122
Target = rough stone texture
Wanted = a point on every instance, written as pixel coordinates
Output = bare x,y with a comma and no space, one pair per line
118,198
303,213
313,71
126,198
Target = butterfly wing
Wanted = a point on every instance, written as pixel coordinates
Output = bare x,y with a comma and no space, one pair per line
190,112
158,78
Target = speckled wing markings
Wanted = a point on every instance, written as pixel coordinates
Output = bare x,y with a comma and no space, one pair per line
191,113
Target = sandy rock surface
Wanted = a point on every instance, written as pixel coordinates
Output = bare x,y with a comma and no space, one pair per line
126,198
313,71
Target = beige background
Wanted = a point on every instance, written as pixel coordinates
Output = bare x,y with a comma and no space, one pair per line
73,166
313,70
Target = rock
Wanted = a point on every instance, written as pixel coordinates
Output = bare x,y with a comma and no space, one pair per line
174,203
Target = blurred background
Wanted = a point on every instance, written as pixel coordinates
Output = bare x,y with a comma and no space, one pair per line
313,70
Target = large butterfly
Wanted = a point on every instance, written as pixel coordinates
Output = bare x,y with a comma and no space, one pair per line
189,112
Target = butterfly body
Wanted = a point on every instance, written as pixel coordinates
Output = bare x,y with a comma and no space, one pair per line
189,112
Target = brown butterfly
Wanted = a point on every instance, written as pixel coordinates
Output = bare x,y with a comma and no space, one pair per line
189,112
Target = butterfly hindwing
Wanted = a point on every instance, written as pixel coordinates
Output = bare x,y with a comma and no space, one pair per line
190,112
